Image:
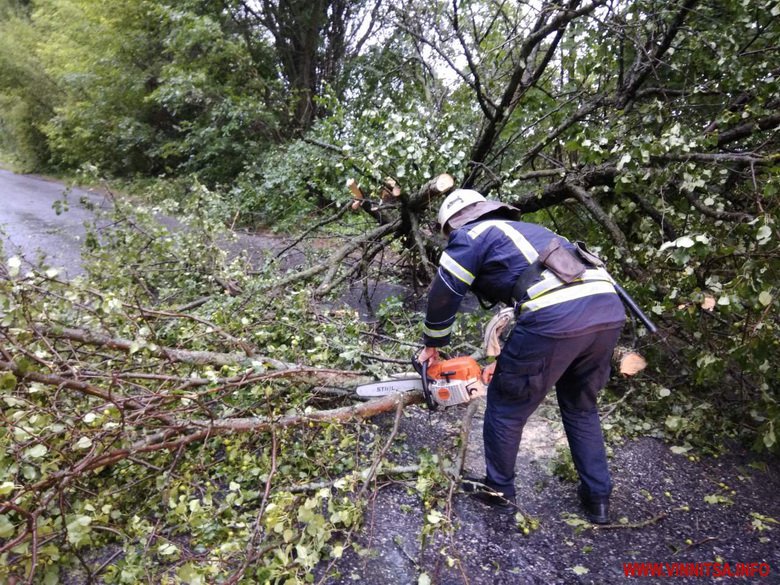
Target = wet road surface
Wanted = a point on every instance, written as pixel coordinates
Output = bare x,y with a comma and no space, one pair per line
31,227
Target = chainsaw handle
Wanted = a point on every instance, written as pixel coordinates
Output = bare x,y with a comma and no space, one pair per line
422,369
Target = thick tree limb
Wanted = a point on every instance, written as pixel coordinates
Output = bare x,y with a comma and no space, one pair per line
321,376
744,130
643,65
552,135
540,174
599,215
426,264
725,157
193,357
357,411
714,213
185,432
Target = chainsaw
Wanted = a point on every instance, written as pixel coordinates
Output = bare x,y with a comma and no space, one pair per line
445,383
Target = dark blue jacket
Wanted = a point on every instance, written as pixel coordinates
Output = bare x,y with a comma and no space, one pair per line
487,256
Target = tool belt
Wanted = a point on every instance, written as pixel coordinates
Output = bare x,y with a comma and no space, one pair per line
566,265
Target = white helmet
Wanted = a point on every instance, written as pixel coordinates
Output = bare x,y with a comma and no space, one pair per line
455,201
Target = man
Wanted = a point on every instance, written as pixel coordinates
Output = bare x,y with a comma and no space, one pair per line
564,336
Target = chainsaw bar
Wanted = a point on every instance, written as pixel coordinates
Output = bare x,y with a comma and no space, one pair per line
390,386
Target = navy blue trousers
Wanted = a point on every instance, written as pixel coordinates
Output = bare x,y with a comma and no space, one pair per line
528,367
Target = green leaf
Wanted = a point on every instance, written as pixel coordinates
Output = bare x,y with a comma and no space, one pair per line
78,528
684,242
189,574
673,422
765,298
83,443
7,381
6,527
36,452
167,549
580,570
769,437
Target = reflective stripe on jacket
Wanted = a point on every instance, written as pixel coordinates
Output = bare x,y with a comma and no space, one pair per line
488,257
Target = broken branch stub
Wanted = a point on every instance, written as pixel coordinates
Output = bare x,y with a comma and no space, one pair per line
390,190
436,187
629,361
354,188
440,185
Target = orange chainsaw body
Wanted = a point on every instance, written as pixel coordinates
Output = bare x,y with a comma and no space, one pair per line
456,380
459,368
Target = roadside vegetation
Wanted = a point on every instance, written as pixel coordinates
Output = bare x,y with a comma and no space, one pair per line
179,404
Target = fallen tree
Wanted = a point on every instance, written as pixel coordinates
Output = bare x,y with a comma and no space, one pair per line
82,409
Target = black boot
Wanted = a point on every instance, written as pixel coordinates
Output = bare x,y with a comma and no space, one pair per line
477,489
596,507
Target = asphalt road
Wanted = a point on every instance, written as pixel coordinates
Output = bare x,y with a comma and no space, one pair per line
31,227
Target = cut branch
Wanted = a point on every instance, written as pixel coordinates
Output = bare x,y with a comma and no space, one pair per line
432,189
381,455
330,377
316,226
329,282
245,347
82,387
